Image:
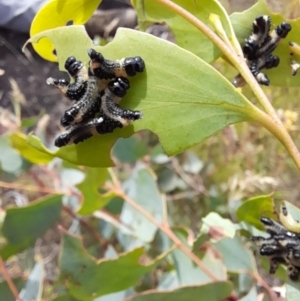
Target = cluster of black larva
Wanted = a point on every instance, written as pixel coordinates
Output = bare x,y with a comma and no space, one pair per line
97,92
283,244
259,46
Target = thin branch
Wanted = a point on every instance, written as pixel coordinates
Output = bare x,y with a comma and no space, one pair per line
182,195
33,188
163,227
167,230
270,293
94,233
279,132
114,178
189,181
9,281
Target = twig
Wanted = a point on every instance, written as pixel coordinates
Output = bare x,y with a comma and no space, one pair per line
164,228
178,169
36,178
271,294
182,195
167,230
114,178
33,188
94,233
9,281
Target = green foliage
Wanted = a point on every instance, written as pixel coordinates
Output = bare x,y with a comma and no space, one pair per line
214,291
22,226
129,150
5,291
20,142
165,92
87,279
93,200
251,210
10,160
120,239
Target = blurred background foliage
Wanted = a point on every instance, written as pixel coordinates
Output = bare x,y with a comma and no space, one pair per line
209,180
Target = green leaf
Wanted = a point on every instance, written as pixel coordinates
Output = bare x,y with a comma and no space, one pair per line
252,295
188,272
22,226
242,24
5,291
184,100
218,227
33,289
292,291
87,278
236,261
86,154
93,200
59,13
142,188
186,35
293,210
20,142
65,298
215,291
115,206
31,121
253,209
119,296
129,150
10,160
168,281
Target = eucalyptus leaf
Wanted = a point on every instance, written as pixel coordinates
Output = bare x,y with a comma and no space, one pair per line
34,285
215,291
87,278
253,209
10,160
129,150
93,199
176,84
141,187
20,143
22,226
235,255
5,291
292,291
